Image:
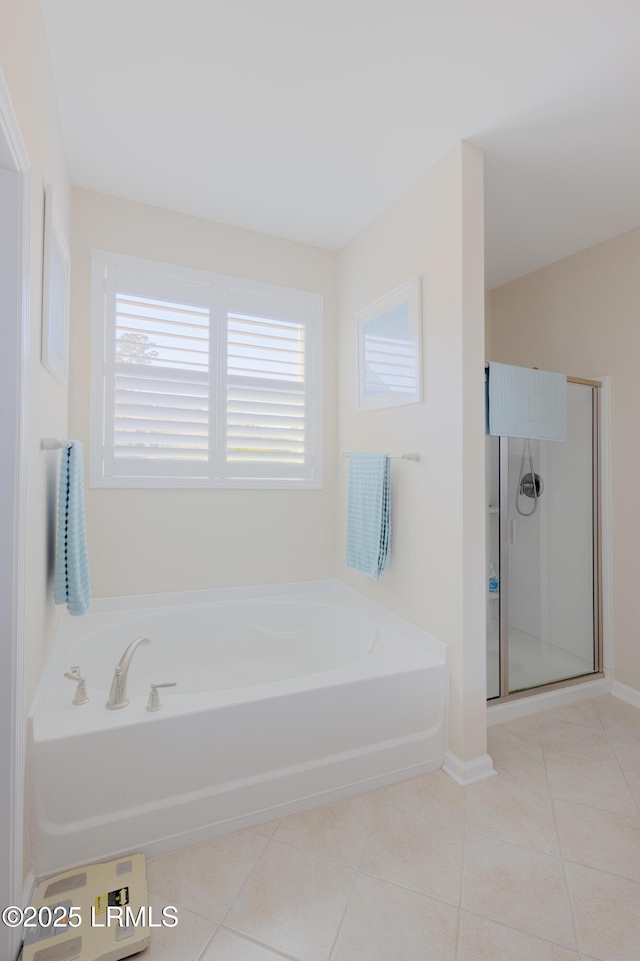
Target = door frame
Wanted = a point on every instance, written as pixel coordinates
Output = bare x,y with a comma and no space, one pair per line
14,364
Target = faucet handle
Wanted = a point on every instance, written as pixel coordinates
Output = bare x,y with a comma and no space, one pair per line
81,696
153,704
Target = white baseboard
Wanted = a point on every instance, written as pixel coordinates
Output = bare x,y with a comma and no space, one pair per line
522,706
468,772
625,693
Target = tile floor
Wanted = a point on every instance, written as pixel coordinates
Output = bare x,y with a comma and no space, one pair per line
540,863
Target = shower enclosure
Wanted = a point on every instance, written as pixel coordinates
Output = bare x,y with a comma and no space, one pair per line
543,555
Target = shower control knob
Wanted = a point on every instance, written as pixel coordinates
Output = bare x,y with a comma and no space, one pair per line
153,704
81,696
527,485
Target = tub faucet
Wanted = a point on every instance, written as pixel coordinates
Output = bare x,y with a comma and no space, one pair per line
118,694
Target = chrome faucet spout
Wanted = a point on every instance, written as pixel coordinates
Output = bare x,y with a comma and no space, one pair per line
118,694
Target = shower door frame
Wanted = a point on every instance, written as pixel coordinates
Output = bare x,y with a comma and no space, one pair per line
503,562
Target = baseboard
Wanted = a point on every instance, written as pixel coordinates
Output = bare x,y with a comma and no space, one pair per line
523,706
625,693
468,772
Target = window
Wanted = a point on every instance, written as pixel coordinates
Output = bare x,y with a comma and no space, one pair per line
202,381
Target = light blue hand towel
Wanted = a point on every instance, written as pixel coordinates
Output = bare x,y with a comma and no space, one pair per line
72,585
527,403
368,514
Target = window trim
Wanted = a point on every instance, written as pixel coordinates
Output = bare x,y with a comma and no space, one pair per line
313,303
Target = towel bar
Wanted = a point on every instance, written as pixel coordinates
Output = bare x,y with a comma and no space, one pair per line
53,443
411,456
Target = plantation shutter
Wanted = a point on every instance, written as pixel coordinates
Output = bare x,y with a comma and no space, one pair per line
267,427
160,376
203,381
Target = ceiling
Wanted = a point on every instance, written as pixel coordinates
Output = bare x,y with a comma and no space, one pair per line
305,118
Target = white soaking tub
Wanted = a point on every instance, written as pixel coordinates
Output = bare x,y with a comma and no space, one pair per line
287,697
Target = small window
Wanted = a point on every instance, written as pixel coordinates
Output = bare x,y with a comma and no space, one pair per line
201,380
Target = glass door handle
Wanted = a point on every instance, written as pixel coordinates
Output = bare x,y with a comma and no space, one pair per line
512,532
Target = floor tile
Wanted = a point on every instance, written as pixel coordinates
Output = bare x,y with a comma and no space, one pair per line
520,763
577,740
523,730
633,780
205,878
599,839
590,783
483,940
418,853
387,923
627,751
293,902
582,712
434,795
521,888
285,889
617,716
229,946
511,813
338,831
607,911
268,829
184,942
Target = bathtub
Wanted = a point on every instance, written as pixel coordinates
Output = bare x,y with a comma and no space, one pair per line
286,697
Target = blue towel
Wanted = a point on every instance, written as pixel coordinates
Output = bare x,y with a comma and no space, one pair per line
72,585
368,514
527,403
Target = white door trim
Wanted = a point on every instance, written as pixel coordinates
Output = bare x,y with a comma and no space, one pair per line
12,712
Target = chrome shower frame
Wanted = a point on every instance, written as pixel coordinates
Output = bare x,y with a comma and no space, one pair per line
503,563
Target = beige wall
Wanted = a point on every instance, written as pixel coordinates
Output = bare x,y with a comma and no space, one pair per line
166,540
487,325
24,58
581,316
436,575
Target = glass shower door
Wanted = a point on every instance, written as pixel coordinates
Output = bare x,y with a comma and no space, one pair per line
493,565
548,569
